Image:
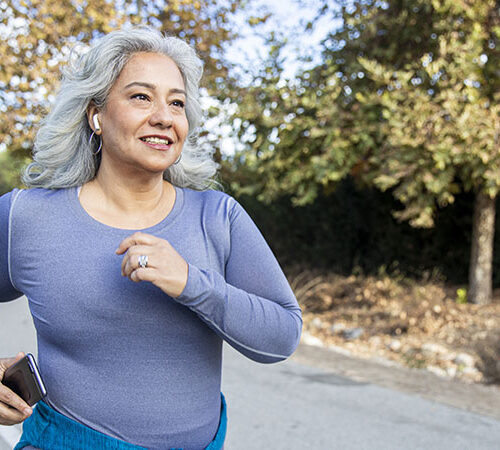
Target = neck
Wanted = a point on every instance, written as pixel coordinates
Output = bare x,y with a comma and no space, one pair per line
130,193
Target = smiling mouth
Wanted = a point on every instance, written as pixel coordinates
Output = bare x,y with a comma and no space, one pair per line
157,140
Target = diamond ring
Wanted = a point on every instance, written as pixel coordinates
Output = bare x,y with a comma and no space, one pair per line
143,261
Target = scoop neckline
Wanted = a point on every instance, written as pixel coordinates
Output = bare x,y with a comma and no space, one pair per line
88,219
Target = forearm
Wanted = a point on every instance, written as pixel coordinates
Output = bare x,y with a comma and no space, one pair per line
265,329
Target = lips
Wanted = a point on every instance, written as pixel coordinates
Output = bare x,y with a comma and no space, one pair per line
164,140
158,142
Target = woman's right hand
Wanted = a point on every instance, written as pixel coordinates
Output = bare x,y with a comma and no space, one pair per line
13,409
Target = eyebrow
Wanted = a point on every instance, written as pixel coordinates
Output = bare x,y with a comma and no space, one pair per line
153,87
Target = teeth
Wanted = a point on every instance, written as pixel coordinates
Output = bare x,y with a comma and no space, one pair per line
156,140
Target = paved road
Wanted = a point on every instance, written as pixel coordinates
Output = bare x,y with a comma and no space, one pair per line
324,400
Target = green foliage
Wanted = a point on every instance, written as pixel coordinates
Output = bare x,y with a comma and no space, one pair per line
441,113
461,296
351,230
406,100
294,144
10,168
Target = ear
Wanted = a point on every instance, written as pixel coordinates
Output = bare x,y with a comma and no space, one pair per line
93,118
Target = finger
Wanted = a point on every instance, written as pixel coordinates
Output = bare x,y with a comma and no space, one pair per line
141,274
11,416
131,259
137,238
133,264
6,362
10,398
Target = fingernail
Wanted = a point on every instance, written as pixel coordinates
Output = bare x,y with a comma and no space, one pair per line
28,411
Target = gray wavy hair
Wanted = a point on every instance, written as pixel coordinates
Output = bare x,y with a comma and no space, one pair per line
64,157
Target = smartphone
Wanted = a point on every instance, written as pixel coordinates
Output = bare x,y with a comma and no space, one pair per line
25,380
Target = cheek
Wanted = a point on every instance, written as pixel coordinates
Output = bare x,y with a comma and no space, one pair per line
183,128
111,128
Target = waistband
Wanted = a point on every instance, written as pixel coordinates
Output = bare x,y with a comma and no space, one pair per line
48,429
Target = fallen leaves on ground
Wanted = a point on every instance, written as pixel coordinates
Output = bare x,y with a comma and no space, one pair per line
415,323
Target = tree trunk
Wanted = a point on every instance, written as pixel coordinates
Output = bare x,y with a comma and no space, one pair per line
481,256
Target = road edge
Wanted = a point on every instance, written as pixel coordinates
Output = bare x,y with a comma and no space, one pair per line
476,398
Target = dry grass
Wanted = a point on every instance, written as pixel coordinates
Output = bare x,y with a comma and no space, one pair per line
416,323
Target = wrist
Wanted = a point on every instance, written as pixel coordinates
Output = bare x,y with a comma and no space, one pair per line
179,284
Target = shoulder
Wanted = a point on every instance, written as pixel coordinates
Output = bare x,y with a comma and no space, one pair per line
8,197
5,204
217,202
34,202
7,200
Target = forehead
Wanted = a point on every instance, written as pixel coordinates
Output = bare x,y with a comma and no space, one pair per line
154,68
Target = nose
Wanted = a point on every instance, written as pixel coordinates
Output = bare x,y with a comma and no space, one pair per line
161,116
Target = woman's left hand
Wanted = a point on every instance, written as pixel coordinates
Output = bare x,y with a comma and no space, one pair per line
165,268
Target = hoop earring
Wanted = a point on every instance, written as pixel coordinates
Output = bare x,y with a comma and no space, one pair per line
100,142
178,159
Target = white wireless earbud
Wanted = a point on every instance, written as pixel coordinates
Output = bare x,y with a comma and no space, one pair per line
96,123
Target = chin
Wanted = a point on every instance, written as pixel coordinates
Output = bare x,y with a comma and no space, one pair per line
158,166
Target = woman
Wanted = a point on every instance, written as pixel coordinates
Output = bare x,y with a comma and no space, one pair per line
134,270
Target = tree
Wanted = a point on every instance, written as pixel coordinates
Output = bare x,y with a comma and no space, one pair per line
36,38
442,122
406,99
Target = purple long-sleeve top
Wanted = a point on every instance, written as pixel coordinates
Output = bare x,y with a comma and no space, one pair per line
124,358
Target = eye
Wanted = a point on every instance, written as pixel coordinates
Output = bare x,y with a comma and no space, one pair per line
178,104
142,97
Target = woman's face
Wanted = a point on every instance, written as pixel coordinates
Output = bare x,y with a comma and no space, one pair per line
144,123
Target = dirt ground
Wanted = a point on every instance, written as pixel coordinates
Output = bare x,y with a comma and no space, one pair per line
419,324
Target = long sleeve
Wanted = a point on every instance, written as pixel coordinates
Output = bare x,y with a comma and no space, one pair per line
7,290
83,308
253,307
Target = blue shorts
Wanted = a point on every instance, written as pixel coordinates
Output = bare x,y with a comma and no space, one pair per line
47,429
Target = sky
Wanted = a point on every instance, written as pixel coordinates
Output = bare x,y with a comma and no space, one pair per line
288,18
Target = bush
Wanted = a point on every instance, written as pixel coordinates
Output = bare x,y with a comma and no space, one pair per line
353,229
